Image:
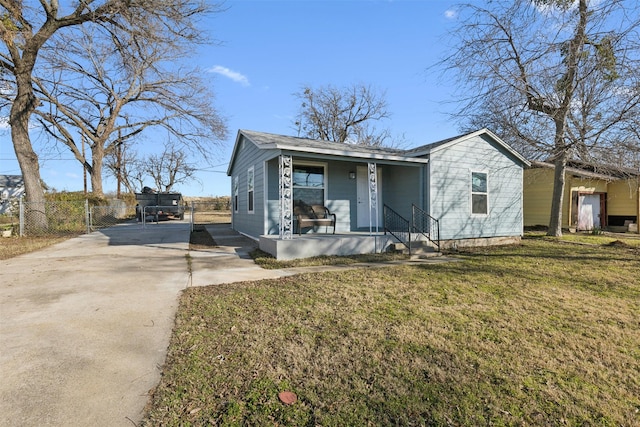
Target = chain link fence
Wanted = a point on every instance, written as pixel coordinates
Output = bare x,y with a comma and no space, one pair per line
64,218
61,218
107,216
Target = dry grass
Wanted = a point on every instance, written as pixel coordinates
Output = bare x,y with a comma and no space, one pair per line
213,217
267,261
603,239
538,334
13,246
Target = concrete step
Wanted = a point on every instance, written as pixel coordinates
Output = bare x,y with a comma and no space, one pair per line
425,255
418,250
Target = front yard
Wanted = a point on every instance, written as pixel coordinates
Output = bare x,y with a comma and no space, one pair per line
545,333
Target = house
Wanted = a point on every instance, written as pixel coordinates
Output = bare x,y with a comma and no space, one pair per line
595,196
465,190
11,189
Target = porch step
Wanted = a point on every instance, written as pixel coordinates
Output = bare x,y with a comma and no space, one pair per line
419,250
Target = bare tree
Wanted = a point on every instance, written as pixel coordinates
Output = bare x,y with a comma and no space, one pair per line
116,88
28,26
124,165
169,168
558,77
342,114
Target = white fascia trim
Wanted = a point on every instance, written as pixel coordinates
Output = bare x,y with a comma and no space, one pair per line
345,153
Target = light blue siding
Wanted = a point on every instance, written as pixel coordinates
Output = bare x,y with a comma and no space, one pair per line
401,187
251,224
450,190
273,194
341,194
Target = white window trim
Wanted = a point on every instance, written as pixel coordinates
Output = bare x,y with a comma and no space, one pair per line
471,193
325,174
251,172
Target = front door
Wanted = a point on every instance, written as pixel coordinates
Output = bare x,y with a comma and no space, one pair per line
589,212
364,211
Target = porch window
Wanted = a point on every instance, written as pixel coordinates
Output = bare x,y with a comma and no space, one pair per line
250,189
308,184
479,195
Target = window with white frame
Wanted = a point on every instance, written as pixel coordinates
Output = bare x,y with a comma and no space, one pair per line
479,193
235,194
308,184
250,191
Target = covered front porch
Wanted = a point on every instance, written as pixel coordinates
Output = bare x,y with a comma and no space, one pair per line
352,191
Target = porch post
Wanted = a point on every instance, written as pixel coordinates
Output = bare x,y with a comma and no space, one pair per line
285,194
373,199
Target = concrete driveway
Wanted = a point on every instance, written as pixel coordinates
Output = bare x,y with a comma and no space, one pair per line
85,324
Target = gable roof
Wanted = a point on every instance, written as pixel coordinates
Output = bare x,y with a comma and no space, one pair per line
266,141
445,143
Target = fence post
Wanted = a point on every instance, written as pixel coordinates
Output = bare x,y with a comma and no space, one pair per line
87,215
191,219
21,216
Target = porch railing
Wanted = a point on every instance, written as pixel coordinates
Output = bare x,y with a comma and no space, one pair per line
426,225
403,229
396,225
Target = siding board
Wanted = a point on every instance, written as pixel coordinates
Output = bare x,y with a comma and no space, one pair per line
249,155
450,190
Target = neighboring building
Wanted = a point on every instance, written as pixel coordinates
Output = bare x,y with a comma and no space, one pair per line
11,189
595,196
472,184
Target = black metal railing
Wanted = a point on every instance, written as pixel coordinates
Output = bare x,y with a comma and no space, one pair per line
397,226
425,224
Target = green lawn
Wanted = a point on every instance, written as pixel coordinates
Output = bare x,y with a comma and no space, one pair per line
544,333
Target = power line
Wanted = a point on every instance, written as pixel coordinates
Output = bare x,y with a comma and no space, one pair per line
43,160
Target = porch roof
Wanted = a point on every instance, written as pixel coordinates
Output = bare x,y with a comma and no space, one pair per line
268,141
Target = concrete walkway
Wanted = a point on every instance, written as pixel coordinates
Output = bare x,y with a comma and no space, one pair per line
85,324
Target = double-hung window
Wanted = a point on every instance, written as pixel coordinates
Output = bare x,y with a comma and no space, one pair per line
235,193
250,191
479,194
308,184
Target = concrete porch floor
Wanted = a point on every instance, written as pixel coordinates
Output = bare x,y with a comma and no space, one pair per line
317,244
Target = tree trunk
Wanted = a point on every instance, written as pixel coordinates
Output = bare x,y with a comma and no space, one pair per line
21,110
97,156
557,201
561,150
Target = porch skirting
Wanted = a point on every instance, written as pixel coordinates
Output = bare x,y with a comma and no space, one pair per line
307,246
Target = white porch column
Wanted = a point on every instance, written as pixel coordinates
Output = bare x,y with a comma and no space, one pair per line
373,195
286,194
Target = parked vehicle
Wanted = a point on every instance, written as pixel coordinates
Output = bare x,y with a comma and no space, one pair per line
162,206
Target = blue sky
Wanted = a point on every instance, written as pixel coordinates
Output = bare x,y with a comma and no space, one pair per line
271,48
